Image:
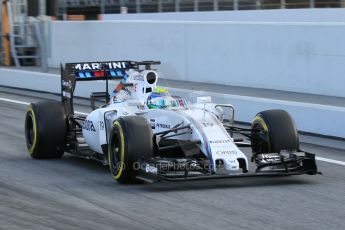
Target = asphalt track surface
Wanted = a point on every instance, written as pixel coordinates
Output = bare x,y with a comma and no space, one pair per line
75,193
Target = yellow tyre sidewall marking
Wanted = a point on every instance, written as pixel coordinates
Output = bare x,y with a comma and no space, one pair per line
122,154
33,118
261,121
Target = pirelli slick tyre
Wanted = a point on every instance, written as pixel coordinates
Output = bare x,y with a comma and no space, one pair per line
273,131
129,141
45,130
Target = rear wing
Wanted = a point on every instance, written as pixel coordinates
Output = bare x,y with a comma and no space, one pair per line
92,71
89,71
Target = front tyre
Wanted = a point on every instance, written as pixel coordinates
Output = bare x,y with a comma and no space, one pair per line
273,131
130,140
45,130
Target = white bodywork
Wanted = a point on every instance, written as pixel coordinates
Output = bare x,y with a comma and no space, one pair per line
203,117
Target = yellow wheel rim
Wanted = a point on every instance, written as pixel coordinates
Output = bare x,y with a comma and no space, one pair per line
34,126
262,123
122,152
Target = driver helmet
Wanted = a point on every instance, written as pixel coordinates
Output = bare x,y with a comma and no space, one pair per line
160,98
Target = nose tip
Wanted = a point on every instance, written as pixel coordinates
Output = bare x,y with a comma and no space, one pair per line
231,164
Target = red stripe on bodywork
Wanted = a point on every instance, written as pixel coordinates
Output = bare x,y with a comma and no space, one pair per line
99,73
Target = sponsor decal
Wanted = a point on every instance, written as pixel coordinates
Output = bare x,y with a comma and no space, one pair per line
163,126
207,124
270,157
101,125
220,141
98,66
226,152
88,125
138,77
66,94
155,125
67,84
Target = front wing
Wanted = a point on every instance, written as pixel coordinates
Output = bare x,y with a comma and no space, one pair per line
303,163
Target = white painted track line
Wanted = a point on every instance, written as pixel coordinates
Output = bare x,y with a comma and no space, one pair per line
14,101
317,158
330,161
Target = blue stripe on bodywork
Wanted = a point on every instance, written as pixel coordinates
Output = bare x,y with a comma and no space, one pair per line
119,73
88,74
113,73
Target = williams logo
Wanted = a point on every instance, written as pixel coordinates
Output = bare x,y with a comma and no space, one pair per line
88,125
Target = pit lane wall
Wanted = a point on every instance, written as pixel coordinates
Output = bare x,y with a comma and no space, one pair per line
314,118
306,57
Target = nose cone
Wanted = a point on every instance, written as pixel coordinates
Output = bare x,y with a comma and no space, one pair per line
231,164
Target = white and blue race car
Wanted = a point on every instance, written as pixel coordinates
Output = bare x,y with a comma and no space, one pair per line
144,133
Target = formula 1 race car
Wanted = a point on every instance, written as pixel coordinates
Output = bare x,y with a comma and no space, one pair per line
144,133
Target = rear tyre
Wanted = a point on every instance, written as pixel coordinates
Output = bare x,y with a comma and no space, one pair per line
45,130
273,131
130,140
